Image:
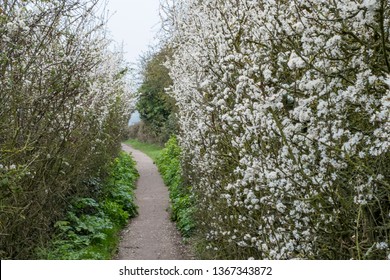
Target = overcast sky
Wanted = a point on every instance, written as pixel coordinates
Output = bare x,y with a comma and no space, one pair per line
135,24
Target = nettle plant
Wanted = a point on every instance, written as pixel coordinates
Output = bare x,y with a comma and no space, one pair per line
284,112
64,99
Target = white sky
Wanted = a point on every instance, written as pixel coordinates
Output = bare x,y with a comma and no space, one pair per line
135,24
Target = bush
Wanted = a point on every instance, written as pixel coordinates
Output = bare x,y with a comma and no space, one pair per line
181,204
90,228
284,117
64,103
143,133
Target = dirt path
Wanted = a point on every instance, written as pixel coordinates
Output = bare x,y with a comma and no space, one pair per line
151,235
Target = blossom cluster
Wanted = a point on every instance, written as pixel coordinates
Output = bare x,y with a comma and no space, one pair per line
284,109
64,98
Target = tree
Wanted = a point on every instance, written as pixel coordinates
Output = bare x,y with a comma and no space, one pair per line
155,106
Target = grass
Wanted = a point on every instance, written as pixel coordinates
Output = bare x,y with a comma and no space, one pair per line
152,150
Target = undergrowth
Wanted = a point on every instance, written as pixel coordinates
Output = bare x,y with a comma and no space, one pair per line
91,226
182,208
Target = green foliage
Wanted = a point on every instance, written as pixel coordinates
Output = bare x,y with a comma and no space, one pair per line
120,184
182,213
90,228
116,213
180,196
154,105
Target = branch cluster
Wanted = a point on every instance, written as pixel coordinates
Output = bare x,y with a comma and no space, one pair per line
284,108
64,100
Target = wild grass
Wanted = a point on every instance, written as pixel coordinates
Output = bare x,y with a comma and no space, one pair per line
151,150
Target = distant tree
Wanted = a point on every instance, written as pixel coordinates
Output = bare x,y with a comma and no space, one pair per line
155,106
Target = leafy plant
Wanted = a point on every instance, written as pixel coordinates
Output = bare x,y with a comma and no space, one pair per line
90,228
181,204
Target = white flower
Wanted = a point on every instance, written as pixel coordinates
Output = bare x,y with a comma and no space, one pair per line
272,175
295,62
382,245
370,4
280,207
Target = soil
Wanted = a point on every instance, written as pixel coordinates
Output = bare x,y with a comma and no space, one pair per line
151,235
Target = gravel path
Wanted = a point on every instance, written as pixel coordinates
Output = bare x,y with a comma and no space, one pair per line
151,235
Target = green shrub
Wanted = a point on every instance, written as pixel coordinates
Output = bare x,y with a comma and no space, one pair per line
120,184
90,228
116,213
156,108
169,166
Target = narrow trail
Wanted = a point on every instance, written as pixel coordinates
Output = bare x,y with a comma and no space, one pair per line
151,235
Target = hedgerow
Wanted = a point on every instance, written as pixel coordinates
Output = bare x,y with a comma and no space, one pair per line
284,119
65,100
182,208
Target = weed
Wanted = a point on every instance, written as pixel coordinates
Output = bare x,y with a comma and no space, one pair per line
181,204
90,228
